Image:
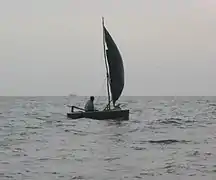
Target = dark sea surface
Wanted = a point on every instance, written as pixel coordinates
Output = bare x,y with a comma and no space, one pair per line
166,138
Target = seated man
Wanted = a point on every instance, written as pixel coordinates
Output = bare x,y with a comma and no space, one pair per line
89,106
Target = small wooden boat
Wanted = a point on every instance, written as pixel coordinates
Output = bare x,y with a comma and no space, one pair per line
114,114
115,84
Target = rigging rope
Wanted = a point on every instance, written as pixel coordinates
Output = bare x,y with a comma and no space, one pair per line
97,99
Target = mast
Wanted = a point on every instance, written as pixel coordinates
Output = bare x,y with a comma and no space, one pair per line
105,58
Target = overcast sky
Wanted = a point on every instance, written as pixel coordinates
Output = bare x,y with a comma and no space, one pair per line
53,47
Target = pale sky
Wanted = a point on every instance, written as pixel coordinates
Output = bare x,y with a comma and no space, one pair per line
53,47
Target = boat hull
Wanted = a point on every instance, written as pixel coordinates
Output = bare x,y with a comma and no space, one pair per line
101,115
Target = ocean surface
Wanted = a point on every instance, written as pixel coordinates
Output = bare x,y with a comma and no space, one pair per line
166,138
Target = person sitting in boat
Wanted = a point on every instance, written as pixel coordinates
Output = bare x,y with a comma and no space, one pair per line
89,106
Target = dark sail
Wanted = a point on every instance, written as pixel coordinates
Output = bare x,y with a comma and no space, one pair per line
116,68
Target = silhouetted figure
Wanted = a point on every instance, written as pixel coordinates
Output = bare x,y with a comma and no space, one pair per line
89,106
